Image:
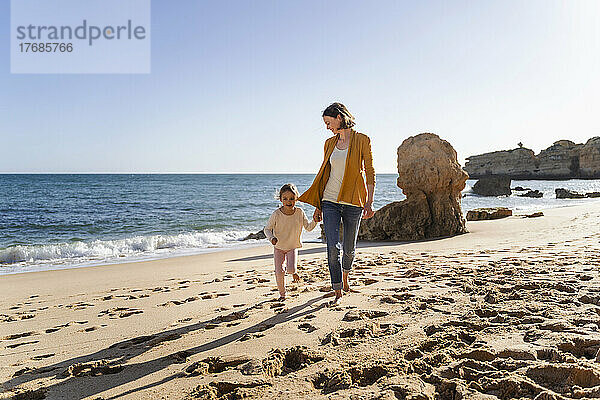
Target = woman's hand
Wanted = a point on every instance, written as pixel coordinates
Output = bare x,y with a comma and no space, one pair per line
317,215
367,211
274,241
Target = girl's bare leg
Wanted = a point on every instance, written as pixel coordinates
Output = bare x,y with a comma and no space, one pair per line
280,278
279,257
291,258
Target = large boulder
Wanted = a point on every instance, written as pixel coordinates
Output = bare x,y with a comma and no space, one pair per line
493,185
432,179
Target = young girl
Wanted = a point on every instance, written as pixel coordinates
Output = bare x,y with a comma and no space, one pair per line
283,230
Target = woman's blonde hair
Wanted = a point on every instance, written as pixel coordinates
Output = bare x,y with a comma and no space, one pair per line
336,109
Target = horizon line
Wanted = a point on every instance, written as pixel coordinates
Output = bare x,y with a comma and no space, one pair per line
170,173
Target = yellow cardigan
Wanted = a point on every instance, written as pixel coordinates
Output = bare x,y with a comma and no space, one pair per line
354,189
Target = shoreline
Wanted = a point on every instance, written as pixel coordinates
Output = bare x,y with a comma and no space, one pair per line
477,229
234,246
61,240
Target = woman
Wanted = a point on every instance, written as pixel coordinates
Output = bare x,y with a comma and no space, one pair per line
340,193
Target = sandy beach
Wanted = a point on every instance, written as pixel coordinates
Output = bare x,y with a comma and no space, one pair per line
511,310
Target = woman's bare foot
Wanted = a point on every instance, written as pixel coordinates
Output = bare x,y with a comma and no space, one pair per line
296,277
335,302
338,297
345,284
281,298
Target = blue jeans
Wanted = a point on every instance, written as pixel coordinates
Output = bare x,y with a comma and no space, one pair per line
333,213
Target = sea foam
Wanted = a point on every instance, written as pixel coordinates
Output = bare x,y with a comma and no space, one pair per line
79,251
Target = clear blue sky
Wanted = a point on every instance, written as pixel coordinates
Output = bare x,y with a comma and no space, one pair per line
239,86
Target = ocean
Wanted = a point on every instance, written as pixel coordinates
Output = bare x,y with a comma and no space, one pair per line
55,221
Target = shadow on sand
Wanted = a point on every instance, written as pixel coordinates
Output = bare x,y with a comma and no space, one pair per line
323,249
120,352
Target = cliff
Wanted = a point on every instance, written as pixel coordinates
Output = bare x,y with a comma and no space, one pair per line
563,160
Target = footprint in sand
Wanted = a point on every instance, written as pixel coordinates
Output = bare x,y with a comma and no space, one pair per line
42,356
17,336
355,315
306,327
92,368
79,306
12,346
249,336
21,316
179,302
214,365
127,296
119,312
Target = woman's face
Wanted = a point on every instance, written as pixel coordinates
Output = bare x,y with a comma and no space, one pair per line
333,124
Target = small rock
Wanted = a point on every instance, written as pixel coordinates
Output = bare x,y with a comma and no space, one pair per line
256,236
532,193
479,214
534,215
567,194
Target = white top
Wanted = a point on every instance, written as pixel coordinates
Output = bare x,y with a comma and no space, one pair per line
288,228
338,167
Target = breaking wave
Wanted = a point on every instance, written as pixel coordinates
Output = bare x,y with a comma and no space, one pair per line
147,246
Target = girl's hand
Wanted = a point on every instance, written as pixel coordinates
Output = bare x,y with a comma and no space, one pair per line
367,211
274,241
317,215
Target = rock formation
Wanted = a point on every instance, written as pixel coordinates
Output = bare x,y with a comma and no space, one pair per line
568,194
563,160
589,158
493,185
431,179
559,161
512,163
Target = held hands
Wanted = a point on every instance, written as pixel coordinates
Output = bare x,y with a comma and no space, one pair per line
367,211
274,241
318,215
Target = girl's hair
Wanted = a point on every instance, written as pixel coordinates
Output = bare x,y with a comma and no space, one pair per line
336,109
288,187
